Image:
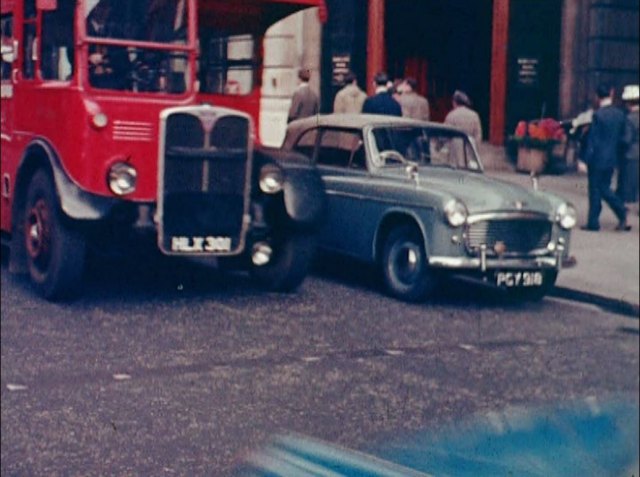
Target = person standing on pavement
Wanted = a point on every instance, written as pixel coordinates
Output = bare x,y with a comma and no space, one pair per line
603,146
304,102
413,105
628,174
382,102
463,117
350,98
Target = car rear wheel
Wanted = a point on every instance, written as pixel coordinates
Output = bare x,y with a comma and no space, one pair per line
290,261
55,252
404,265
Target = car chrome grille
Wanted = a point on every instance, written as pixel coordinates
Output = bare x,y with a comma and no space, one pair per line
517,236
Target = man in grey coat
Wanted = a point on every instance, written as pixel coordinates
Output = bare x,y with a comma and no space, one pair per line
413,105
350,98
304,102
463,117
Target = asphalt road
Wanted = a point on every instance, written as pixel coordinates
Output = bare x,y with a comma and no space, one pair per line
170,370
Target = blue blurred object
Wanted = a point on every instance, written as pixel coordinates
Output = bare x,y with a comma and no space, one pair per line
583,439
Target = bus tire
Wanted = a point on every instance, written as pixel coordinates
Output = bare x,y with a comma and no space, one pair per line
291,259
55,252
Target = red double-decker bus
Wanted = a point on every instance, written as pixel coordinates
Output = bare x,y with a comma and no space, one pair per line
105,145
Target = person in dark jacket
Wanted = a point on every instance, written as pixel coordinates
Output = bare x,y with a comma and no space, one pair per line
382,101
628,170
603,146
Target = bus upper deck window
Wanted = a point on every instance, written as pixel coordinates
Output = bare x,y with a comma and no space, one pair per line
227,63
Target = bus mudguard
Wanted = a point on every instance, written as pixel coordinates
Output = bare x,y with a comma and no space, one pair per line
75,202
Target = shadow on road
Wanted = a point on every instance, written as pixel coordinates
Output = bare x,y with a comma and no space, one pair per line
451,292
153,276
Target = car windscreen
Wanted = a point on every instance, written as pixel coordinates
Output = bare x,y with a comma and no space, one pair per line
428,147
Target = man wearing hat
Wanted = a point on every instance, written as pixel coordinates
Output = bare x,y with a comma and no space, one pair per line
382,101
463,117
628,173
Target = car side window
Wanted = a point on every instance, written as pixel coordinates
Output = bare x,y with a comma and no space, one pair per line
341,148
307,143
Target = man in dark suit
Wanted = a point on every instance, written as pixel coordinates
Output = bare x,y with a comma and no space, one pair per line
603,147
382,102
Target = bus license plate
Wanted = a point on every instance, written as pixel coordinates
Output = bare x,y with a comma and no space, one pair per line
518,279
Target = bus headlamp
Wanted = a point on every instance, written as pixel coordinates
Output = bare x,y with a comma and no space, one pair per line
567,216
122,178
271,180
456,213
99,120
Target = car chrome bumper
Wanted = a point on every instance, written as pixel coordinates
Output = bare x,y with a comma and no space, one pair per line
478,263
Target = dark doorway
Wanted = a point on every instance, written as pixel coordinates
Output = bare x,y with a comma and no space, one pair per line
534,60
445,45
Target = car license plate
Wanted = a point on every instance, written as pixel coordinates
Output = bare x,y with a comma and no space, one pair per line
518,279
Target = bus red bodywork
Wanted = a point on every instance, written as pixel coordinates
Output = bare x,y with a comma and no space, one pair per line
59,118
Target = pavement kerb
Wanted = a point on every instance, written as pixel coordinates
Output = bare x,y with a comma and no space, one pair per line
621,307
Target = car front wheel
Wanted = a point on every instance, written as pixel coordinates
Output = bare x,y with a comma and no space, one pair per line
404,265
55,252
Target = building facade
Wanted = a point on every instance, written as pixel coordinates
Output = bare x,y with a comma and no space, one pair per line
516,59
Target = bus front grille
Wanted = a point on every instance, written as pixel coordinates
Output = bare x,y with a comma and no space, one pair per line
205,181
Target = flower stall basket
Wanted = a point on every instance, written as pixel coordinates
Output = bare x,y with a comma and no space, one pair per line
532,159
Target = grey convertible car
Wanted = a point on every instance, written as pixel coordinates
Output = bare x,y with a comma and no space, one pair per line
411,197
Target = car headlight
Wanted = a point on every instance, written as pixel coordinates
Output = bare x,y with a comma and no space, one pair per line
271,179
122,178
567,216
456,213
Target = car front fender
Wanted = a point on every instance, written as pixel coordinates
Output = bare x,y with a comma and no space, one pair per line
304,193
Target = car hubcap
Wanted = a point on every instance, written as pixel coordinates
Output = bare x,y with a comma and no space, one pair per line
38,234
406,263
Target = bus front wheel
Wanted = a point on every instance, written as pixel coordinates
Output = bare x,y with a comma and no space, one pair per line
292,256
55,252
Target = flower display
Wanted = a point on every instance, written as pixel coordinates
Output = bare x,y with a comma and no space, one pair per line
542,133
